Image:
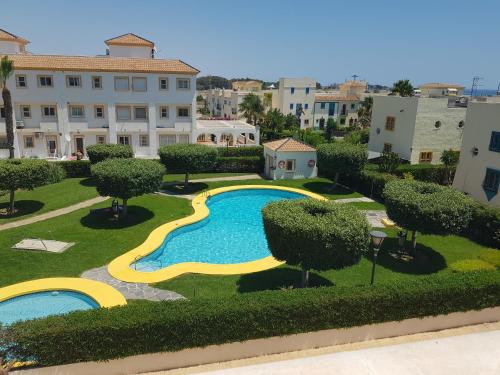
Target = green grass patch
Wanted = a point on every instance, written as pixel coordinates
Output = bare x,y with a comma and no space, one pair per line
468,265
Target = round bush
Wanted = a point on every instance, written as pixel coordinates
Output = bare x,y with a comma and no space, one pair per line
426,207
100,152
339,158
468,265
315,234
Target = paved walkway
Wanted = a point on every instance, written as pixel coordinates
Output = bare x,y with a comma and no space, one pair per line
351,200
375,218
51,214
130,290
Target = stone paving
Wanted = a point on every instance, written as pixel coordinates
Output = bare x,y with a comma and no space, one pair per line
375,217
130,290
351,200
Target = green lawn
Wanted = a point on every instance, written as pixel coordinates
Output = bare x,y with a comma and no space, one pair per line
48,198
179,177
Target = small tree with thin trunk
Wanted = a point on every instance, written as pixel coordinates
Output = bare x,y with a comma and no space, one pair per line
127,178
427,208
22,174
6,70
188,158
450,160
315,234
100,152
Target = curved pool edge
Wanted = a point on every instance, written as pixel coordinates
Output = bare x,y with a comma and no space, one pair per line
120,267
103,294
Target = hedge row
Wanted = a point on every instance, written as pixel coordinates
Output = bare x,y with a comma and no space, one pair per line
485,226
171,326
425,172
251,164
75,168
372,183
240,151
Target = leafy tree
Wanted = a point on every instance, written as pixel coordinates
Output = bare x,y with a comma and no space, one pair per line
100,152
273,124
365,112
127,178
331,126
314,234
339,158
6,70
291,123
358,137
450,160
427,208
188,158
267,101
389,162
22,174
312,137
252,108
403,87
211,82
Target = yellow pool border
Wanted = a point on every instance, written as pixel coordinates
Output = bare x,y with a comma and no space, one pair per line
120,267
103,294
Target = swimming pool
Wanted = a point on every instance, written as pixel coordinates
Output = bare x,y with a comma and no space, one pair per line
232,233
42,304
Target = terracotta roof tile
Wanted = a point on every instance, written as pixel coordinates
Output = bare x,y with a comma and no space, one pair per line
335,98
129,40
100,64
288,144
438,85
354,83
6,36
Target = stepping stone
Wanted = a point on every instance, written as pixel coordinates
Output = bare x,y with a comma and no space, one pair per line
39,244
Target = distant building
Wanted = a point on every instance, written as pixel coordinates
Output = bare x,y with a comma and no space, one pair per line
353,87
440,90
247,86
418,129
226,103
478,172
341,107
289,159
296,96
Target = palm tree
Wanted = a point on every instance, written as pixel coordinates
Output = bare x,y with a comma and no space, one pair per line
273,123
365,112
6,70
252,108
403,87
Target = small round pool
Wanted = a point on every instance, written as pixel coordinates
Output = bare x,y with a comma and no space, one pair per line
42,304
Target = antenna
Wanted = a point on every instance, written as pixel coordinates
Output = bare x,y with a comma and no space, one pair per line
475,84
354,76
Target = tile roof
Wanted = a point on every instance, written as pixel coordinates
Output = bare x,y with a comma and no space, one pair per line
438,85
129,40
6,36
335,98
288,144
354,83
100,64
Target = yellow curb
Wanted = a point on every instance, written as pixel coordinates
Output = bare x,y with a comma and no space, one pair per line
103,294
120,267
388,223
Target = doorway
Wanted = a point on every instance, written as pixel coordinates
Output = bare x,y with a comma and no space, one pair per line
79,146
51,145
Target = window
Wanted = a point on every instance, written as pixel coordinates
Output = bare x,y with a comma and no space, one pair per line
100,139
76,111
290,165
390,123
292,90
491,180
140,113
121,84
183,83
25,111
163,83
387,148
99,111
29,142
163,112
291,105
307,90
124,139
2,112
144,140
183,138
322,105
123,113
182,112
73,81
167,139
48,111
306,106
495,142
21,81
306,122
139,84
45,81
425,157
97,82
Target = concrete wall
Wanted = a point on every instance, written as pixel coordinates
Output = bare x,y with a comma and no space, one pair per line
302,169
481,120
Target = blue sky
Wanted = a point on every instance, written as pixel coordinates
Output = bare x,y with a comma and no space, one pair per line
380,40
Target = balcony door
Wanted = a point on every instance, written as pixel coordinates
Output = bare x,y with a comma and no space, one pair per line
79,146
51,145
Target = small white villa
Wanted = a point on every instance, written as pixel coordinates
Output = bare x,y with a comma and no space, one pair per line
288,159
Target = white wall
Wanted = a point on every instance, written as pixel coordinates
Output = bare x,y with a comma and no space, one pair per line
11,47
285,98
128,51
302,169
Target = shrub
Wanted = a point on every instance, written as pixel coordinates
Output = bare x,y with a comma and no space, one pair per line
56,173
240,151
435,173
389,162
76,168
372,183
469,265
171,326
484,226
22,174
490,256
127,178
358,137
251,164
188,158
426,207
315,234
339,158
100,152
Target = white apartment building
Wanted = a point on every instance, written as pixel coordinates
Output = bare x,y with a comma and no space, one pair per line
478,172
296,95
341,107
418,129
226,103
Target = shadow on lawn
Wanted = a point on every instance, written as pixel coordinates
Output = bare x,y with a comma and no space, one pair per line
89,182
192,188
104,220
321,187
23,207
277,278
426,262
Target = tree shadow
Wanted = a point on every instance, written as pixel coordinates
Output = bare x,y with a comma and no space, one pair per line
321,187
192,188
89,182
105,220
426,261
277,278
23,207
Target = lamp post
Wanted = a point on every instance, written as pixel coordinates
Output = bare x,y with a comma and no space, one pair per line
377,239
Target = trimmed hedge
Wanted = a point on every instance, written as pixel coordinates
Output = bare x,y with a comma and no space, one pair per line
252,164
484,226
75,168
100,152
435,173
240,151
56,173
170,326
372,183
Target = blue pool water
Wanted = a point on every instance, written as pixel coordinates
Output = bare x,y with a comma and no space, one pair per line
232,233
42,304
